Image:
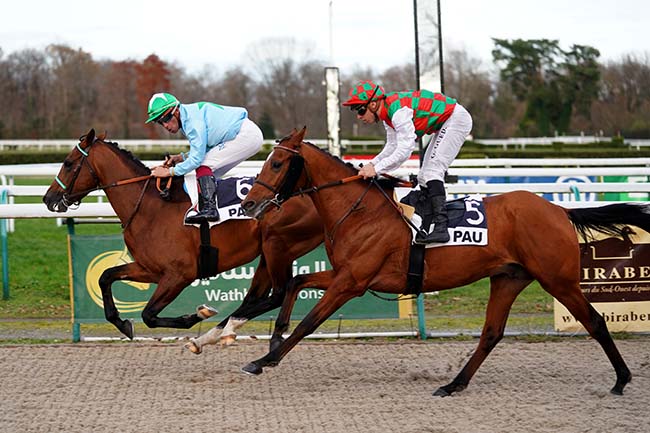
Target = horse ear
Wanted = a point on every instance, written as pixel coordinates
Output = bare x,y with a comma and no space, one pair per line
301,133
102,136
90,137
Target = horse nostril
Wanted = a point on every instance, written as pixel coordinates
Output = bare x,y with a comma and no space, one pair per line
248,204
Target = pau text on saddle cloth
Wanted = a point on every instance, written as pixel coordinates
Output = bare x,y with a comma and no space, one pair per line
469,229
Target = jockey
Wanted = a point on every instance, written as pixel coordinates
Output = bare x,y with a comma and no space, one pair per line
407,116
220,138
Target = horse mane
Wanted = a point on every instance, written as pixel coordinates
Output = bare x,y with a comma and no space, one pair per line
139,165
383,182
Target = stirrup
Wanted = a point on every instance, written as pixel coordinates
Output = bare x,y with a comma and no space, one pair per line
432,238
200,217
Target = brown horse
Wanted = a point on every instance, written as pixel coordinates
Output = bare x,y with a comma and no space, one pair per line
368,246
165,251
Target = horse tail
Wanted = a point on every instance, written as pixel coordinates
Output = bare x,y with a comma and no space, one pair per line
610,220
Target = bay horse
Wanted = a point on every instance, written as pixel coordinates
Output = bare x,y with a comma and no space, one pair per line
368,243
165,251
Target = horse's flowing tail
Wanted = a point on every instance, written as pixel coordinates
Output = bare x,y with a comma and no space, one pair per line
611,219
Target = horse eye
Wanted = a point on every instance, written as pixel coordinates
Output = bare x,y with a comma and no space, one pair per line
67,163
276,164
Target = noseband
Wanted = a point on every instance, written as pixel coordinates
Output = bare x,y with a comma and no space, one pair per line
68,196
284,191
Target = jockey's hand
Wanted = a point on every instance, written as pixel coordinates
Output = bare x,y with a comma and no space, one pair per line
172,160
367,171
161,171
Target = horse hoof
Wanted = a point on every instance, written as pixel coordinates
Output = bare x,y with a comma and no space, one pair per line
193,347
227,340
441,392
126,328
205,311
252,369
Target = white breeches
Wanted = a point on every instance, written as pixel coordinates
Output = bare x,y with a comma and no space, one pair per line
222,158
445,145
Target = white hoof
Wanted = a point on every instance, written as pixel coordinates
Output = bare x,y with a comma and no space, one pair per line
193,347
205,311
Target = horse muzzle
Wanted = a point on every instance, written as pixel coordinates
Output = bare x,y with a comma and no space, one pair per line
55,201
255,209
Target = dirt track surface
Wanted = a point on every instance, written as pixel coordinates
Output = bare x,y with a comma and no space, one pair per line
321,387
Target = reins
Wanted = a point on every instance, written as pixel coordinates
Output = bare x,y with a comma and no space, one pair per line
327,185
277,200
69,199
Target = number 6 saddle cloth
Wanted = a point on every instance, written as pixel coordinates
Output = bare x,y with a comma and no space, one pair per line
231,191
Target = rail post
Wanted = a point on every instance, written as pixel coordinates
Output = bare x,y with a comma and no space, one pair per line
5,250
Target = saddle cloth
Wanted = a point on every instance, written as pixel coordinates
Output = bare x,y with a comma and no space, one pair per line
467,222
231,191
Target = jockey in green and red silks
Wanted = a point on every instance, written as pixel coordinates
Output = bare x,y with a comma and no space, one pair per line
430,110
406,116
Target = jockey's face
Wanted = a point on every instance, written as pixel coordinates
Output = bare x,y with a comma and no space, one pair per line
369,116
172,125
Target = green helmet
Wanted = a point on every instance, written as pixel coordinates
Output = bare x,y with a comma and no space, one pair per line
159,103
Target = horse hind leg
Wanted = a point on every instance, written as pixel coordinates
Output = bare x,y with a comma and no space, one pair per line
504,289
593,322
169,287
257,301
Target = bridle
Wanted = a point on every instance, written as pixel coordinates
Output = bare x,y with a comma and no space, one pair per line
68,197
284,191
72,200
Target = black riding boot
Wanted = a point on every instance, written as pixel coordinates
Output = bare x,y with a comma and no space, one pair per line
434,211
207,202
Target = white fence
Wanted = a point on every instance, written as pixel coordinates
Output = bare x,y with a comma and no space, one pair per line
505,143
631,167
570,194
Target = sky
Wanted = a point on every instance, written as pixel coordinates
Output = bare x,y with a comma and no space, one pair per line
196,34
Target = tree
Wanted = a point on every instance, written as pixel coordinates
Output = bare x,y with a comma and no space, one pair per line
73,87
551,81
122,115
27,94
624,100
152,76
266,125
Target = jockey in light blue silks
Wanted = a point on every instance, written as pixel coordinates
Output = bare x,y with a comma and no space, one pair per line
220,138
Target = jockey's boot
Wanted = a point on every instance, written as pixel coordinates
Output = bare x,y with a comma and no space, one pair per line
433,211
207,202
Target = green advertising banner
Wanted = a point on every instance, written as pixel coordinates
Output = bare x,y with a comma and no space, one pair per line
625,196
91,255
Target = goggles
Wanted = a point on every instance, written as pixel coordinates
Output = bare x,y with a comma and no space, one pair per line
167,117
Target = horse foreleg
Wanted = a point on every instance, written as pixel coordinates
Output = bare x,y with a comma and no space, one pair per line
503,291
595,325
335,296
131,272
318,280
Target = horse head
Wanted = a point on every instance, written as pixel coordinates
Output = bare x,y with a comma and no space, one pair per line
280,176
76,177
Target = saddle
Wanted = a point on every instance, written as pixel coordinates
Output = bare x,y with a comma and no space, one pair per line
467,224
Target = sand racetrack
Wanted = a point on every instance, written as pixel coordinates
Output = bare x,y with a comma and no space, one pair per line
375,386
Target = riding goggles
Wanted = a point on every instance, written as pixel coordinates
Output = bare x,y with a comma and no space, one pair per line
167,117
